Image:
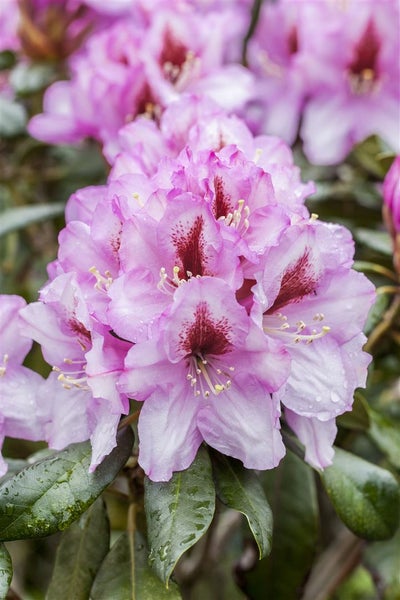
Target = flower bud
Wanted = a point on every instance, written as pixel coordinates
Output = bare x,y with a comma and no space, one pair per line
391,208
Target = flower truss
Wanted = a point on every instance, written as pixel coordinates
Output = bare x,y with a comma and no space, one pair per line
141,63
197,283
334,66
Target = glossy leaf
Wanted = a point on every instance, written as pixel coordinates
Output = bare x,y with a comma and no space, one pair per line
13,117
52,493
383,559
18,218
6,571
126,575
358,417
178,513
377,240
291,492
240,488
385,433
80,553
366,497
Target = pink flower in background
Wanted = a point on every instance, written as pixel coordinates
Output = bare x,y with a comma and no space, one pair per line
8,25
279,54
391,208
391,194
22,414
132,69
356,89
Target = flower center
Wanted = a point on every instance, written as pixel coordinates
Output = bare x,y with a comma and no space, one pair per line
363,69
189,244
176,60
3,367
298,281
208,377
204,341
73,379
278,326
225,210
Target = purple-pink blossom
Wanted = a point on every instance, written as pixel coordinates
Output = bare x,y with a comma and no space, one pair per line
391,207
197,283
21,413
328,71
134,68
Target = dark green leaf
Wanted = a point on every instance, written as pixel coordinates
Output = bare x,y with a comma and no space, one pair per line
379,241
383,558
178,513
26,78
6,571
49,495
377,311
80,553
17,218
385,433
291,492
365,496
125,574
357,418
13,117
240,488
7,59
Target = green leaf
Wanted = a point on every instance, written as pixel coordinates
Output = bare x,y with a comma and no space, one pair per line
13,117
385,433
377,311
379,241
26,78
6,571
126,575
52,493
80,553
178,513
7,59
365,497
240,489
18,218
383,558
358,417
291,492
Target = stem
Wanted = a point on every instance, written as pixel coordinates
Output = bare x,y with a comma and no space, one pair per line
388,289
131,537
361,265
384,326
129,419
335,563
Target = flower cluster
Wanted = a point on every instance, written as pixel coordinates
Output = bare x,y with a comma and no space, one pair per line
197,283
141,63
332,65
326,70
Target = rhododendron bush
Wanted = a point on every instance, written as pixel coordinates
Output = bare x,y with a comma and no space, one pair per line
199,312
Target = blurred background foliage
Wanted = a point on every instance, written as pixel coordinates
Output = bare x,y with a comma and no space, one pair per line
314,556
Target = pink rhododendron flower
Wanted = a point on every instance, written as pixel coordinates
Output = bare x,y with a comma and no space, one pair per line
88,360
132,69
197,283
21,413
298,295
216,370
279,54
356,90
